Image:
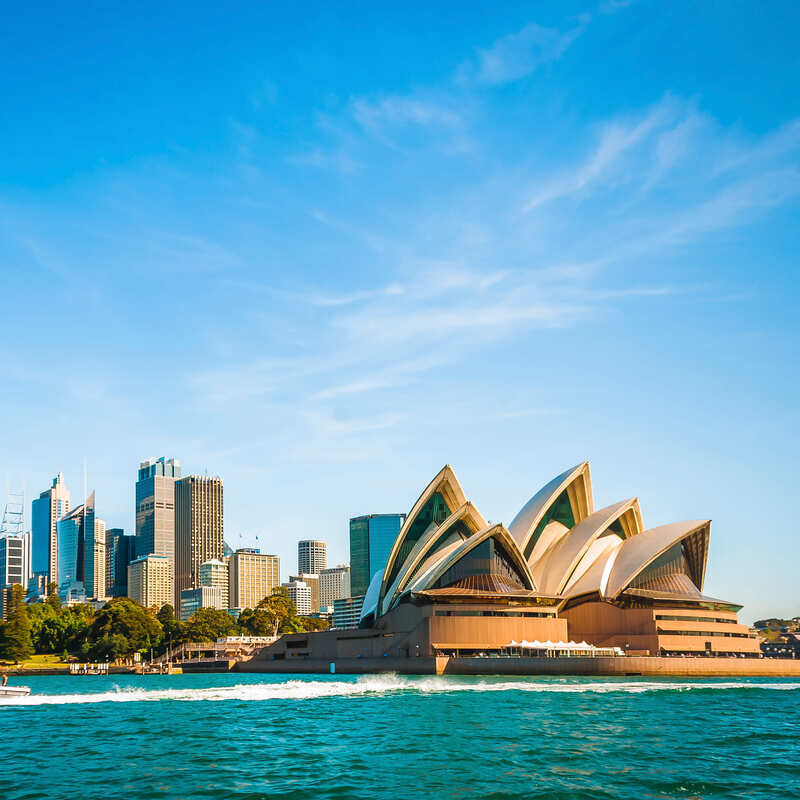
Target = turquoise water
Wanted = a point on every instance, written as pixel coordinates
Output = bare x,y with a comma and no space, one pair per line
387,736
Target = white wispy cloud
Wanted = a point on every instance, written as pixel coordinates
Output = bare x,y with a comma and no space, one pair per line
517,55
374,115
616,140
338,160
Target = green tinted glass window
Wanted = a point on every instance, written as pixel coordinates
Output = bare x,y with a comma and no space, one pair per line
435,511
560,511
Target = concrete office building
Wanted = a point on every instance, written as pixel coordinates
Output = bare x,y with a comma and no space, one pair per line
215,573
201,597
300,595
15,559
252,577
150,581
46,510
334,584
198,528
312,581
155,507
312,556
371,540
100,580
347,612
120,551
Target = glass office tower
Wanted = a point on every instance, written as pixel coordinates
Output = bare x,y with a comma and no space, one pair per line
46,510
120,551
371,540
71,555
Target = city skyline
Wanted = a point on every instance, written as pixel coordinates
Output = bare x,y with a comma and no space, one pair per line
511,244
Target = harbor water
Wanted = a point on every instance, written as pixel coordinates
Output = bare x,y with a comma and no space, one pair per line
390,736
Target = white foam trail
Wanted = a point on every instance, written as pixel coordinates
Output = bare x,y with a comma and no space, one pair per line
379,685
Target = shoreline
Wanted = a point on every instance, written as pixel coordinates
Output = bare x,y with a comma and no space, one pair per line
651,666
581,666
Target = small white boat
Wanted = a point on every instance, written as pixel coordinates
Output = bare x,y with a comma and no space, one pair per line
14,691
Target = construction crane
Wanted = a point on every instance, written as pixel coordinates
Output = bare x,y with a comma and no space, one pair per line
13,523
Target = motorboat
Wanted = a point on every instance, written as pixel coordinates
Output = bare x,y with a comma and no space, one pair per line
14,691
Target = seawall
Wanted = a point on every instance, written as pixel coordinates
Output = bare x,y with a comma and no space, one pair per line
631,665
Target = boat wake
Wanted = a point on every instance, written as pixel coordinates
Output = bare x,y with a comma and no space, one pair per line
383,685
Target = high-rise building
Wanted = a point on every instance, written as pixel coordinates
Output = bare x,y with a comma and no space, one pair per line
120,551
198,528
155,507
150,581
300,595
99,585
75,534
252,577
334,584
37,588
347,612
46,510
81,550
94,552
201,597
312,581
311,556
15,559
215,573
371,540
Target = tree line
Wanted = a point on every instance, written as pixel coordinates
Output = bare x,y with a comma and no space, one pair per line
122,627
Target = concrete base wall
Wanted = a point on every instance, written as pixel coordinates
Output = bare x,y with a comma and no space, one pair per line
632,665
344,666
689,667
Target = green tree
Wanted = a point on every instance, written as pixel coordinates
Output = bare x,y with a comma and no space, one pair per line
312,624
16,640
53,600
274,614
110,648
173,630
208,624
166,614
124,618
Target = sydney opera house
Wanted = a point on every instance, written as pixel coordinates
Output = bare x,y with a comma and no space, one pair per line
562,570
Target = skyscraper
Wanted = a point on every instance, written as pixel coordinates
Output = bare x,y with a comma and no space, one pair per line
155,507
71,550
150,581
15,559
215,573
334,584
371,540
94,570
312,581
45,513
300,595
120,551
201,597
252,577
198,528
311,556
81,553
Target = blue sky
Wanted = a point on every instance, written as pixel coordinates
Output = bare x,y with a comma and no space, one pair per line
322,251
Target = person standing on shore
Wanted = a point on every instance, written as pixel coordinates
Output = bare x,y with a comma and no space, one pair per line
5,679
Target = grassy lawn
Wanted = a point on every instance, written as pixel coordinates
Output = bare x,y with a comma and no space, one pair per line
39,662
